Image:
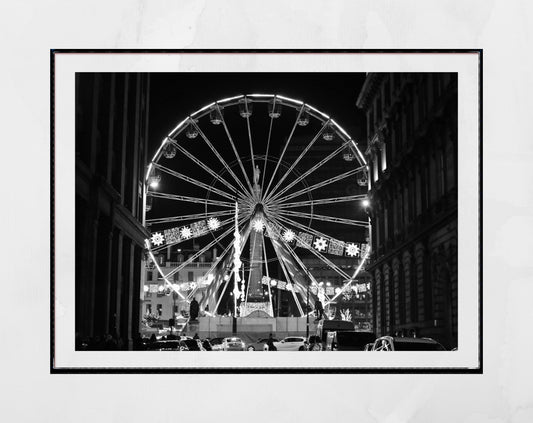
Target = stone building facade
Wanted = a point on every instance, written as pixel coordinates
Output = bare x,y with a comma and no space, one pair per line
412,156
111,146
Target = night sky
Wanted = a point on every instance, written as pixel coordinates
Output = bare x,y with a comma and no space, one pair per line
176,95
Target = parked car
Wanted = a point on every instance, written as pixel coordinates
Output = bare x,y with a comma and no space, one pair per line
163,345
233,344
326,326
191,345
398,343
216,344
290,343
207,345
349,341
259,345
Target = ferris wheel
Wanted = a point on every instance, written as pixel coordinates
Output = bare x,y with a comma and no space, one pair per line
273,188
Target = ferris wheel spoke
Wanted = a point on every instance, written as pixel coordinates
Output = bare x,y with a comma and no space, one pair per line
347,284
319,201
194,181
323,258
302,227
310,171
265,193
279,237
235,150
320,184
165,278
325,218
295,163
188,199
220,158
268,143
195,216
203,166
249,132
200,252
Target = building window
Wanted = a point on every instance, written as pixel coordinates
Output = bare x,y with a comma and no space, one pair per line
375,166
433,179
383,157
190,276
378,110
418,192
149,276
386,225
442,175
148,308
450,166
159,309
370,124
406,205
387,93
176,277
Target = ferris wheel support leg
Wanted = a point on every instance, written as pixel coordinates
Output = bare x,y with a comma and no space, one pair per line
286,273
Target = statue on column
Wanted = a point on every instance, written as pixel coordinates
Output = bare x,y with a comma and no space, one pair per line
257,173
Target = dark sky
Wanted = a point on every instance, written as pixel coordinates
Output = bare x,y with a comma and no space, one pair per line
175,96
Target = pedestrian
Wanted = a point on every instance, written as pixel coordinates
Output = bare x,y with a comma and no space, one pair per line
319,310
270,343
194,309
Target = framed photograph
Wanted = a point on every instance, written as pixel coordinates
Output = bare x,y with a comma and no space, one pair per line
266,211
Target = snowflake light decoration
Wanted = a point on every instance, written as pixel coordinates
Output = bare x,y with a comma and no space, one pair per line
352,250
186,232
157,239
258,225
213,223
289,235
320,244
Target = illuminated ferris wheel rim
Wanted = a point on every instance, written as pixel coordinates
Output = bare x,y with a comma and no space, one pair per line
274,100
255,98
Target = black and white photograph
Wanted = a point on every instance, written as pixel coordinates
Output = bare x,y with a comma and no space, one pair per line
312,213
267,211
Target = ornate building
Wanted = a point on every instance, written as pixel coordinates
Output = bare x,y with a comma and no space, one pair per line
412,156
111,134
